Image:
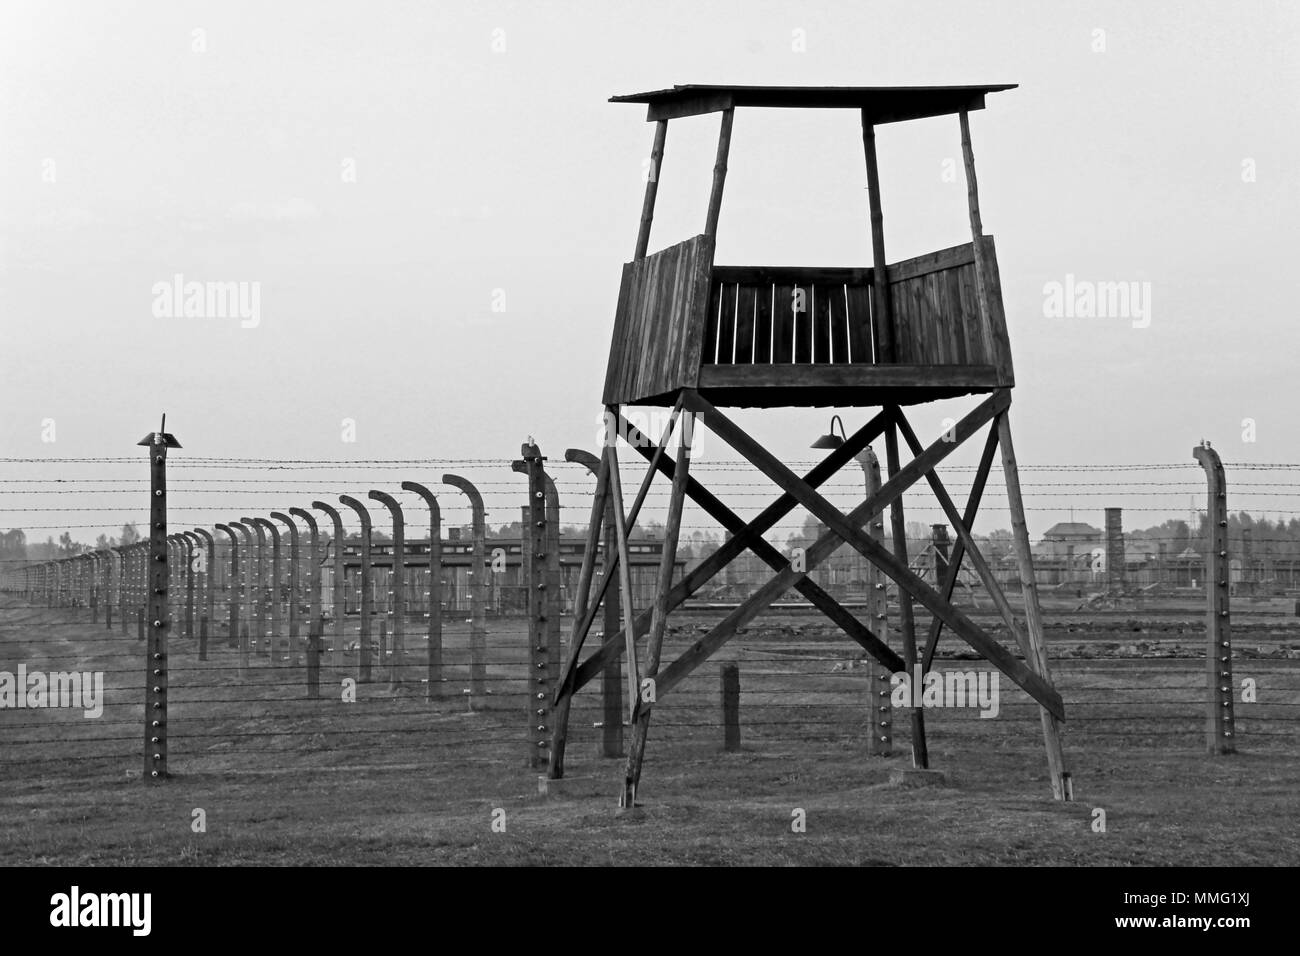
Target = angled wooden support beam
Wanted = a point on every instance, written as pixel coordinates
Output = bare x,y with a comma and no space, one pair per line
954,564
1036,649
745,534
750,535
962,527
847,529
659,619
581,603
624,569
906,620
651,190
719,173
584,619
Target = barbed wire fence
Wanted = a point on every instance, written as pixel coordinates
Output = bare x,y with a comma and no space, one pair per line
284,654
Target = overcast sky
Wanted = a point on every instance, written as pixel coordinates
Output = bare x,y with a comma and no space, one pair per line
389,171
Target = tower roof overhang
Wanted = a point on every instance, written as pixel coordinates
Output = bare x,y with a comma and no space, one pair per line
883,104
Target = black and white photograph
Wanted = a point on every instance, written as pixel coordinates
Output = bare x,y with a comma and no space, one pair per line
574,434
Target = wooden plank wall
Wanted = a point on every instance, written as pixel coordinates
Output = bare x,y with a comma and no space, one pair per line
936,312
676,312
658,324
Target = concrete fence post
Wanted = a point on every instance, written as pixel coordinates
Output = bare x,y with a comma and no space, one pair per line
541,579
155,711
272,596
397,600
259,594
1115,569
337,583
367,586
291,584
477,585
209,573
730,691
880,709
1220,728
434,674
314,622
248,595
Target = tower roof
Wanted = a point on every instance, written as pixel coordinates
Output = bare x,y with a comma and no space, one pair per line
885,104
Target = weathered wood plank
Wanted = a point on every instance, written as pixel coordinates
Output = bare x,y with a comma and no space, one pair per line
821,324
792,275
861,334
727,324
746,300
837,316
853,375
948,258
803,300
659,326
997,320
782,324
763,324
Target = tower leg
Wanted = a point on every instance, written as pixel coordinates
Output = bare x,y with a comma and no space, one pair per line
1034,649
898,527
659,616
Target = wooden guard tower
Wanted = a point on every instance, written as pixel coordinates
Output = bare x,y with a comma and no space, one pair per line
698,336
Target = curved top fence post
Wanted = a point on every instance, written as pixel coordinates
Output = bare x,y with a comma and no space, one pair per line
397,601
434,676
313,569
367,598
337,584
477,584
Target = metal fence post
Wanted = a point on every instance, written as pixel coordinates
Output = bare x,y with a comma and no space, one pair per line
1219,724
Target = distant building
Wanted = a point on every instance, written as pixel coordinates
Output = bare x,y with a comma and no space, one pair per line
1066,537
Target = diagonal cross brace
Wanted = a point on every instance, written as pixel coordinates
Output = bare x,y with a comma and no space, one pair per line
959,550
746,535
964,539
847,529
875,504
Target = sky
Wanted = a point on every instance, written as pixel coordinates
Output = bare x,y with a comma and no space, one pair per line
435,201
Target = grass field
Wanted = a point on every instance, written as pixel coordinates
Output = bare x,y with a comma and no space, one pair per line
397,779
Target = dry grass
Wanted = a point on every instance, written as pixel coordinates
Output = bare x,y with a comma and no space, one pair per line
395,779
